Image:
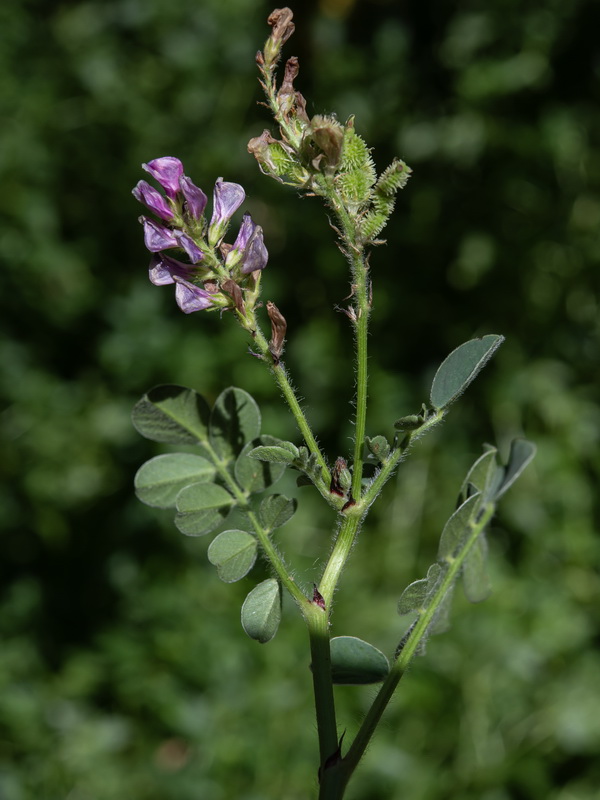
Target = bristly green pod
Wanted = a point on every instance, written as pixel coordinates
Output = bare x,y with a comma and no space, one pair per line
356,174
390,181
355,152
280,160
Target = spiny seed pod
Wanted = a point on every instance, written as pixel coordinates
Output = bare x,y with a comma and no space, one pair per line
356,174
393,178
355,188
355,153
384,197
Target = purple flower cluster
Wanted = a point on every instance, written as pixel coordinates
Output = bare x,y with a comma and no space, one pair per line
182,226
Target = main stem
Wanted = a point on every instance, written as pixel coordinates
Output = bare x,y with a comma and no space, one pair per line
361,325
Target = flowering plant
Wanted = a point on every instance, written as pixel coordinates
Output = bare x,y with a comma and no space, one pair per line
235,464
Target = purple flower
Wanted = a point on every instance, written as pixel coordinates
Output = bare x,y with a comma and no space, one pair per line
249,248
153,199
167,171
190,297
163,269
156,236
190,246
195,198
227,198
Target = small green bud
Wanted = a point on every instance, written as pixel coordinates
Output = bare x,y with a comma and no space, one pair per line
409,423
341,478
378,446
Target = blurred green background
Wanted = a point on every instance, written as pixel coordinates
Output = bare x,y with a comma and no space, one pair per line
123,668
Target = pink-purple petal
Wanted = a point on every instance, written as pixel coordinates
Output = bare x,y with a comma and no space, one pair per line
255,255
190,297
227,198
190,247
246,230
194,196
156,236
167,171
153,199
163,269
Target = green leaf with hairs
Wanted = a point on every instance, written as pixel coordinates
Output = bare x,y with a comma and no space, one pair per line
457,371
261,612
234,421
172,414
355,662
201,508
233,553
159,481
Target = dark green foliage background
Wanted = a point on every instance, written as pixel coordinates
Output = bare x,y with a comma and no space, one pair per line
123,668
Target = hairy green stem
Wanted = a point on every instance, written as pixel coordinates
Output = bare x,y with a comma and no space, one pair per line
250,323
318,630
391,462
360,423
339,555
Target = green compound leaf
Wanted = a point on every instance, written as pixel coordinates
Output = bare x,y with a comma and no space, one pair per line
253,475
462,365
275,510
261,612
233,553
281,453
521,453
234,421
354,661
201,507
172,414
159,481
476,582
457,529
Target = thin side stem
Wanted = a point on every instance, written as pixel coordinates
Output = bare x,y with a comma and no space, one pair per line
389,465
279,372
261,534
400,665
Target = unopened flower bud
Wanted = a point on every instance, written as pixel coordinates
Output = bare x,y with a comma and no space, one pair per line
341,479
